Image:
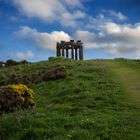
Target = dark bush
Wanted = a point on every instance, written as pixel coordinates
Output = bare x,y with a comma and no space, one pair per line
11,62
51,58
58,72
16,79
23,62
55,73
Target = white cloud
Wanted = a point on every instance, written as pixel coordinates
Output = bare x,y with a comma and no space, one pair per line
118,15
73,2
105,33
103,17
111,28
119,40
43,40
86,37
43,9
22,55
52,10
69,19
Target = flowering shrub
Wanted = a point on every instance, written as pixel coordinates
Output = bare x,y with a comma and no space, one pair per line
15,97
22,90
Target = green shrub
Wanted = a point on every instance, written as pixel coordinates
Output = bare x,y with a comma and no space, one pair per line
14,97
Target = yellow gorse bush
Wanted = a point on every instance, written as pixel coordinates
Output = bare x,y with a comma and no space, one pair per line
22,90
14,97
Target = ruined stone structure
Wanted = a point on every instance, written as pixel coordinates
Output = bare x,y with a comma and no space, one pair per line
70,49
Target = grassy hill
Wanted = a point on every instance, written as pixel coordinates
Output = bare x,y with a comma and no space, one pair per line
99,100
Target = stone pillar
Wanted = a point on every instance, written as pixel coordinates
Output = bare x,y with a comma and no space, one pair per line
57,49
63,48
67,52
63,52
72,53
72,48
81,53
76,58
60,52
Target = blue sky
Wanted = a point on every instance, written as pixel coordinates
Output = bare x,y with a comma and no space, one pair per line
29,29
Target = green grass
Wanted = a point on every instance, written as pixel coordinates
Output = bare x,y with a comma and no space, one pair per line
93,103
127,73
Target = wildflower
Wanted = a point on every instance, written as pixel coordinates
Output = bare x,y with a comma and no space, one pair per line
69,135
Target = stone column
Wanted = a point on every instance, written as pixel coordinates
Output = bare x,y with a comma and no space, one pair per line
58,52
72,53
67,52
57,49
81,53
63,51
76,58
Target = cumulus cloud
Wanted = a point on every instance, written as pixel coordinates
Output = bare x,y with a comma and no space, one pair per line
68,19
102,31
118,15
43,40
22,55
87,37
106,33
52,10
105,16
73,2
117,39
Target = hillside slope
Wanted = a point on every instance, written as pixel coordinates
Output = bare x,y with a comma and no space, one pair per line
128,74
99,100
